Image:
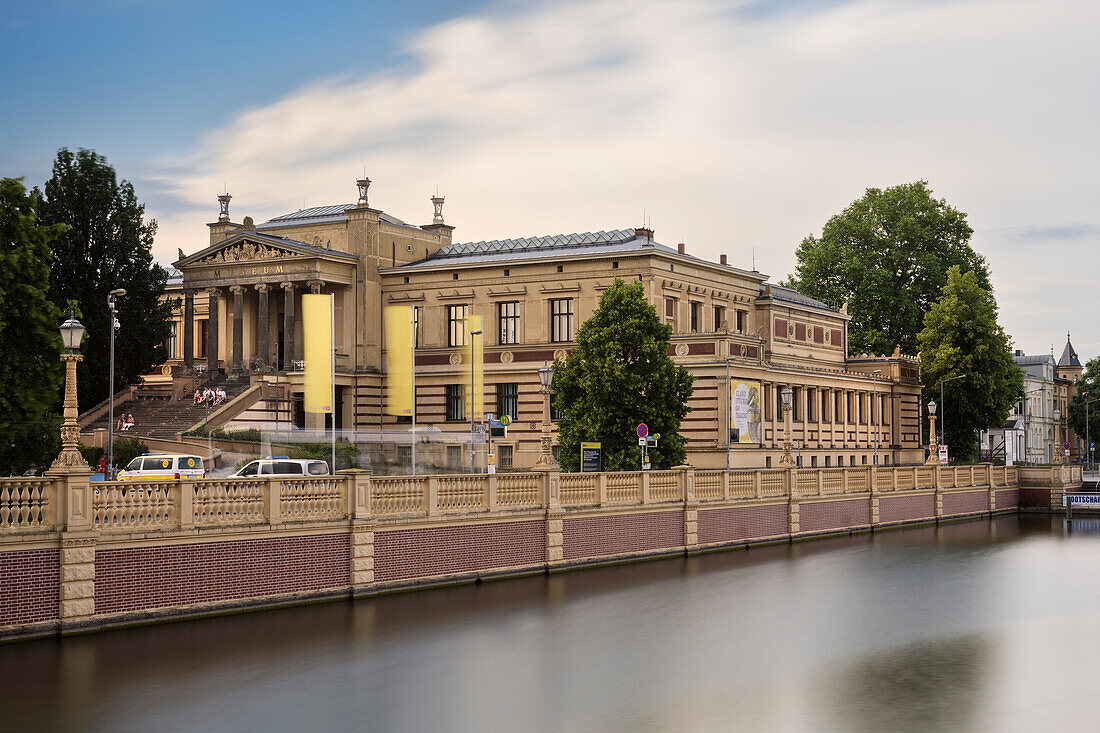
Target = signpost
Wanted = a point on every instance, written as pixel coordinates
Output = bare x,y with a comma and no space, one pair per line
591,458
943,455
1066,447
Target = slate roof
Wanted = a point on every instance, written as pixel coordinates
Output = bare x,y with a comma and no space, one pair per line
324,215
793,296
1033,360
1069,356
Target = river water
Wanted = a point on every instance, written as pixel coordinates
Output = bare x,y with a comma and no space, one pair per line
975,626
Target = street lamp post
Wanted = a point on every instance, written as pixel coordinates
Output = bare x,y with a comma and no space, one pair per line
1088,444
874,413
786,460
933,448
1057,442
69,459
475,332
545,461
942,420
112,307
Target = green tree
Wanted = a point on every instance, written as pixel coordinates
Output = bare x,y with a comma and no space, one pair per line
1088,389
108,245
961,336
30,372
620,375
887,257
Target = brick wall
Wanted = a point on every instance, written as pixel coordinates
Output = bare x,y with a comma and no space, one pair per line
742,523
139,578
602,536
969,502
29,586
428,551
902,508
1008,498
1035,497
824,515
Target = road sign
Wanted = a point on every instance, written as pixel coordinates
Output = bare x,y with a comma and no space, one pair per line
505,420
641,441
642,430
943,455
1066,445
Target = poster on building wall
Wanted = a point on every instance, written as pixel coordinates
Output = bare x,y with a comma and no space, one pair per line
745,410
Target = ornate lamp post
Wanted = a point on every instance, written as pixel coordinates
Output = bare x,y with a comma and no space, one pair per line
933,447
545,460
69,459
1057,438
112,306
786,460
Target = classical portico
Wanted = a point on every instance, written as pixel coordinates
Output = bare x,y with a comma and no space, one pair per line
237,277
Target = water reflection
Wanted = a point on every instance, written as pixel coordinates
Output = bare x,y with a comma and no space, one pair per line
929,628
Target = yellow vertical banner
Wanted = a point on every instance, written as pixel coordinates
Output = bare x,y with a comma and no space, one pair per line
317,350
473,360
399,367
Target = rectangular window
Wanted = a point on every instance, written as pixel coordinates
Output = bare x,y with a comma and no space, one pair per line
456,403
670,307
740,321
170,344
204,337
508,315
794,403
404,454
416,326
456,325
561,320
810,397
827,461
454,457
719,317
508,399
506,456
696,316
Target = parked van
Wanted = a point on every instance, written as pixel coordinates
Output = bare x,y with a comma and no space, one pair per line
283,466
160,466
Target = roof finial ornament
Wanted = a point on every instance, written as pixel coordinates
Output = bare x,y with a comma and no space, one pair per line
223,200
363,184
437,202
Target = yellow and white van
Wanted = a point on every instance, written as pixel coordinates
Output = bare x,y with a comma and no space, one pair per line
162,466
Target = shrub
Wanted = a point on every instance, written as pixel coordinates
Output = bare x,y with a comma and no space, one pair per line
91,453
127,449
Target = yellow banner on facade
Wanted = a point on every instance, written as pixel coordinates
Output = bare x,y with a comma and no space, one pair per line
745,410
474,366
317,338
398,333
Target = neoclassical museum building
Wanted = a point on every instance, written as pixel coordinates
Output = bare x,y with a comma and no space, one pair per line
743,338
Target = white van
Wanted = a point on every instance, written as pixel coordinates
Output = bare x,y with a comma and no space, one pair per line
283,466
161,466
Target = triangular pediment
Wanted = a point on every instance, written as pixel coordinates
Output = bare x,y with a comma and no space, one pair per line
256,247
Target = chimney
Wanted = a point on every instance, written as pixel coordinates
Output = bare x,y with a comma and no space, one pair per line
1018,352
722,259
644,233
680,248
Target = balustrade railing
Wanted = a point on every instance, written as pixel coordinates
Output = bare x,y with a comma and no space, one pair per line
29,504
26,503
519,491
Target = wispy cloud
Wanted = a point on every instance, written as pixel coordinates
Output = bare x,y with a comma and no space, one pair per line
736,125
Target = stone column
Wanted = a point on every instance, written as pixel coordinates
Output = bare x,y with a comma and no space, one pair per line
263,326
238,327
189,328
288,324
212,333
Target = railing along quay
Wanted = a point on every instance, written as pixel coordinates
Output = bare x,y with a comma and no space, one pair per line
30,504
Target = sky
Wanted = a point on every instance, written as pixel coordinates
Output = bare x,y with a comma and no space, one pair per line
737,127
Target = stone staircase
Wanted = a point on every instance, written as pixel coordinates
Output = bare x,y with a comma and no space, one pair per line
157,415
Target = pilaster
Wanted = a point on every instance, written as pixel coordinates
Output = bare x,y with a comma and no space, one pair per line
77,576
793,523
362,553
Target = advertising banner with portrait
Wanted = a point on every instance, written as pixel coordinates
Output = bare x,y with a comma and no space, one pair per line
745,410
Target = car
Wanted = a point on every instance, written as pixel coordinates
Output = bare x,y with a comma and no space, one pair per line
283,466
160,466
